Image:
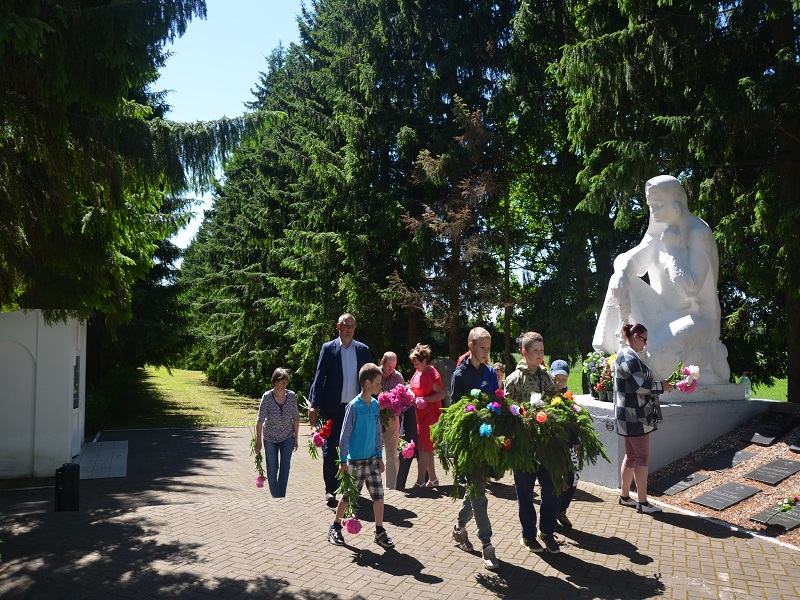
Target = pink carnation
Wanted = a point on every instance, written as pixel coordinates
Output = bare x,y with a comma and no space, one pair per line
500,394
317,439
408,451
352,525
686,388
576,408
469,408
259,482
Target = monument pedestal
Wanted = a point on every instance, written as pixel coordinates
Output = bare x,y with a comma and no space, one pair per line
689,423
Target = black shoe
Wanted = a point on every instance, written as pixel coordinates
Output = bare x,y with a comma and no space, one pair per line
531,544
549,542
383,540
331,499
335,536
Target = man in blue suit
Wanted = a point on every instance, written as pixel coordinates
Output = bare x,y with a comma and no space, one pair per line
335,384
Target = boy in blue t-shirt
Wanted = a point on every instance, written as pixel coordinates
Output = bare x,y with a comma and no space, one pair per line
361,452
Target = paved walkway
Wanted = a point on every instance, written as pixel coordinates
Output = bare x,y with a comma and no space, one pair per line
188,522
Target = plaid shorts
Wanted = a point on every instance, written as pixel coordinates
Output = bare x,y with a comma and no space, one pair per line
369,471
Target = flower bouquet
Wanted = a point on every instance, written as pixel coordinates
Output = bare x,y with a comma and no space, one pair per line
393,403
406,449
259,462
318,438
685,378
349,492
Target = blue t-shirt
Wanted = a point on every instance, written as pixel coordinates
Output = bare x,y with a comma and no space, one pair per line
361,431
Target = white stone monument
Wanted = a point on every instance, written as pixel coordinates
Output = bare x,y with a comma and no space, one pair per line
678,303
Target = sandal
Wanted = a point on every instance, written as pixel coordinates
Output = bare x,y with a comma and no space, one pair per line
419,485
433,483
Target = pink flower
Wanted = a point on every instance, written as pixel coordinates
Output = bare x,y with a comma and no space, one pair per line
576,408
514,410
408,451
500,394
422,404
541,416
317,439
259,482
687,388
352,525
469,408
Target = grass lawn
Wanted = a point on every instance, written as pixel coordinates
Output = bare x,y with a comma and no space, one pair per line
152,398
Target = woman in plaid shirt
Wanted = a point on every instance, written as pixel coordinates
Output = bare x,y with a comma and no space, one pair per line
637,414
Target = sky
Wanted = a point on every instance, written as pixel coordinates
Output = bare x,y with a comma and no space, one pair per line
217,62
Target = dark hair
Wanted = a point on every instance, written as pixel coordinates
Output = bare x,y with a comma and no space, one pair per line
278,374
629,330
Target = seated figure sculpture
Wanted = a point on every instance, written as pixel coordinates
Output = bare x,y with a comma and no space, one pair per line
679,306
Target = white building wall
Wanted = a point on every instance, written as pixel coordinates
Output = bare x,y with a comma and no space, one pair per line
41,428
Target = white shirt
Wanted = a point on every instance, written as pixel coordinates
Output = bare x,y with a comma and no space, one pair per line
350,387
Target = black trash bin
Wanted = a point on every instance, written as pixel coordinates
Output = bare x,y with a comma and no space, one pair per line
68,479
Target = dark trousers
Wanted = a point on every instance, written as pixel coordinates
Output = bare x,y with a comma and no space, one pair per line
410,435
330,451
566,496
523,482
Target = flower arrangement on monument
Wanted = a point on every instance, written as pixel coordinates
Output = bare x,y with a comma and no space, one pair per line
394,402
685,378
318,438
605,383
593,366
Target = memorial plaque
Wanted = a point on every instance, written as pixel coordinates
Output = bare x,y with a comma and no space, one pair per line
785,520
725,460
774,471
772,426
677,483
726,495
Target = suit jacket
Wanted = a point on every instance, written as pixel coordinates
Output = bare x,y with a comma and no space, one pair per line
326,390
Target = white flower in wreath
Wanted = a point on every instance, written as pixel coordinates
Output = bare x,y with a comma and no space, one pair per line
536,399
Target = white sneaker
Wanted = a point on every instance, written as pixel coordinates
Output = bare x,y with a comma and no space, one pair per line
490,559
647,508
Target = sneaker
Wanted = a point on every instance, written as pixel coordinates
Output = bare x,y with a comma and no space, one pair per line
383,540
549,542
531,544
647,508
335,536
489,559
564,520
627,501
462,539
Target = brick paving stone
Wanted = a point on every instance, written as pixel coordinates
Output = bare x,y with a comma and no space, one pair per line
188,522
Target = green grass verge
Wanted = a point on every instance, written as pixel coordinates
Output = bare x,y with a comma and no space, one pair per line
152,398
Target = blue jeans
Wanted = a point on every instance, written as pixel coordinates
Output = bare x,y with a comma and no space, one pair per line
477,506
278,472
551,502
